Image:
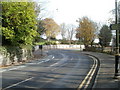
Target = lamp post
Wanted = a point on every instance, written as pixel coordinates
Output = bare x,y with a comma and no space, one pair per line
117,42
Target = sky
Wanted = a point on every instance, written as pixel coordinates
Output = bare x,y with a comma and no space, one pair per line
68,11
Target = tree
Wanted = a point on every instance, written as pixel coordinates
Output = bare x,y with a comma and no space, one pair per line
119,12
70,32
63,31
18,23
86,31
40,30
105,36
39,7
113,12
52,29
95,25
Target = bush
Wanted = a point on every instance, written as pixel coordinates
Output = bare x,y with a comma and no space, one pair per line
72,42
18,23
94,49
50,43
64,42
3,50
40,43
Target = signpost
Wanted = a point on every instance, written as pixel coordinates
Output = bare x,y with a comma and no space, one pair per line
116,27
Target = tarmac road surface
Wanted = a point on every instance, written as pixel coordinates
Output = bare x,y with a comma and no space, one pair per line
60,69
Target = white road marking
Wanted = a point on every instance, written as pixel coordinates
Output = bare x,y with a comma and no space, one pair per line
54,69
40,62
91,72
30,63
18,67
18,83
43,61
58,67
53,64
53,57
2,71
71,59
46,60
64,57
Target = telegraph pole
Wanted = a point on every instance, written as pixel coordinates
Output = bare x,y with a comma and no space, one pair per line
117,42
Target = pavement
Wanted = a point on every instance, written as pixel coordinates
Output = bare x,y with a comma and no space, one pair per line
105,76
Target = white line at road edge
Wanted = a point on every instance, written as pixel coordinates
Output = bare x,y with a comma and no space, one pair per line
18,83
14,68
89,75
25,79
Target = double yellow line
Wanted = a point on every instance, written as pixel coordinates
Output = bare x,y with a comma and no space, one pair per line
85,83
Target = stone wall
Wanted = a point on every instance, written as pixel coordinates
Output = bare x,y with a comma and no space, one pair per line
14,55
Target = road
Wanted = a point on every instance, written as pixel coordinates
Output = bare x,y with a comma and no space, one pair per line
60,69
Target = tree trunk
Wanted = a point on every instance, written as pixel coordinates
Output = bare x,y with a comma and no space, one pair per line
102,48
48,38
86,47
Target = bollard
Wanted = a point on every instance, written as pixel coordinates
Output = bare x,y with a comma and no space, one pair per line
41,47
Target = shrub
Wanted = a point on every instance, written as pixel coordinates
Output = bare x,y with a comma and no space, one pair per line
18,23
50,43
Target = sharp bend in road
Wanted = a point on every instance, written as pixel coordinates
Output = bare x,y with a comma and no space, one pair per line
61,69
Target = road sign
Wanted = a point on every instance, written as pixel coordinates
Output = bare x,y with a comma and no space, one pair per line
115,26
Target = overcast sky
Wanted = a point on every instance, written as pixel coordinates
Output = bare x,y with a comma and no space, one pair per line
69,11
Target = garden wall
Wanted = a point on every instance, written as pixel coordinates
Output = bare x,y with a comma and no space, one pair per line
12,55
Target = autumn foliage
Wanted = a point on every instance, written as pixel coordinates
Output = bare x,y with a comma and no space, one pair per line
52,29
86,31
